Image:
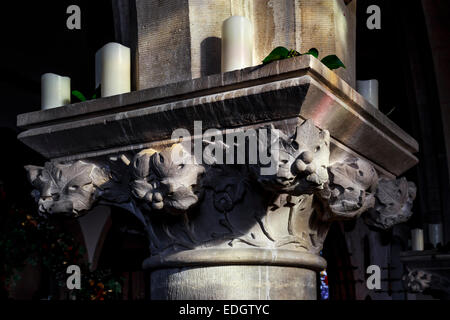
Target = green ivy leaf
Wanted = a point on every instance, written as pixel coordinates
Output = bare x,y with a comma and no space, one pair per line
278,53
332,62
314,52
294,53
98,91
79,95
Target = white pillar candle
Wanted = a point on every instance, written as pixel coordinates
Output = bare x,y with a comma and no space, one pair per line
435,234
55,91
237,43
417,239
369,90
114,60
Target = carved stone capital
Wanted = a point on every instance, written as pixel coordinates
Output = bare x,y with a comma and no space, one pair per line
394,201
207,213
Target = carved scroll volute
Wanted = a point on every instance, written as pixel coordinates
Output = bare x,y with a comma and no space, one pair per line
300,162
67,188
169,179
394,201
350,191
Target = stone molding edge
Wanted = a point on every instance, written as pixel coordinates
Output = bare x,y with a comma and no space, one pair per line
294,67
237,256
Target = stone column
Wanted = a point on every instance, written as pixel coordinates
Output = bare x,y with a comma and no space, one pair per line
240,207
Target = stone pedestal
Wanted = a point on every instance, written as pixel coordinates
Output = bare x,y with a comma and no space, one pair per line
237,203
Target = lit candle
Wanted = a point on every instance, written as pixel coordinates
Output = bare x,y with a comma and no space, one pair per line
55,91
113,65
369,90
237,43
417,239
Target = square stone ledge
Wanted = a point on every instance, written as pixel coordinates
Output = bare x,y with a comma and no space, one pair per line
300,87
427,260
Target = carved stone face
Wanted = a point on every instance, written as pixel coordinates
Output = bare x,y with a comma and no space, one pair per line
351,189
66,189
168,179
417,281
301,164
394,200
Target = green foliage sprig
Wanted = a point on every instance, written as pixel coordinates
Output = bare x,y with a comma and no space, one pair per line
280,53
81,97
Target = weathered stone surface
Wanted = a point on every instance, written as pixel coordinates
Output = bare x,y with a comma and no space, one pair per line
164,44
189,32
234,283
394,200
211,214
66,188
168,179
328,25
351,189
301,161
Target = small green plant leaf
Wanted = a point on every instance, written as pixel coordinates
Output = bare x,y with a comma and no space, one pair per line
97,92
78,95
278,53
314,52
333,62
293,53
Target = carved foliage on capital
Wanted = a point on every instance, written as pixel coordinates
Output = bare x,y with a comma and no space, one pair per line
299,162
287,203
394,201
350,190
169,179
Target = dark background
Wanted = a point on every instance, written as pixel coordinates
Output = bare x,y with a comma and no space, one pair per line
36,41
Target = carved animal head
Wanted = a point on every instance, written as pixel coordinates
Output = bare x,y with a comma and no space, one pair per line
417,281
66,188
350,190
300,161
394,201
169,179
